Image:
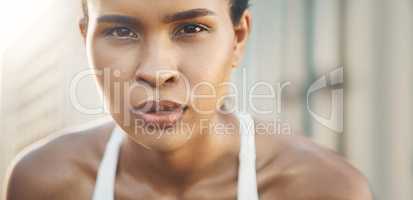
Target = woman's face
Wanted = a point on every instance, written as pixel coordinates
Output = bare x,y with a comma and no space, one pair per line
162,65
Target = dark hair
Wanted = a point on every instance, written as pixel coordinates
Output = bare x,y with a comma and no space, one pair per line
237,9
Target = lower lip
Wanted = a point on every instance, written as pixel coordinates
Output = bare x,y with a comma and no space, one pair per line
161,119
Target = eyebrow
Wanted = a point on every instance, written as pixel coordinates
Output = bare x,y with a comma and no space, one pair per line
188,14
120,19
183,15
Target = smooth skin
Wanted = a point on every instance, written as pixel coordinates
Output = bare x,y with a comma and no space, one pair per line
196,40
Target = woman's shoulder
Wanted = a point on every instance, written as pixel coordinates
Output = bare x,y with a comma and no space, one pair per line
297,168
65,161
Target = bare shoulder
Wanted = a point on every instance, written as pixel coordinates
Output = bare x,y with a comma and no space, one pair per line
294,167
58,167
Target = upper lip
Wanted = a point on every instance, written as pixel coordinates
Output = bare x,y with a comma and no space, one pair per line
159,106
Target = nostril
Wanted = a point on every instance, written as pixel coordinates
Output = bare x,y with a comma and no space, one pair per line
153,81
170,80
143,80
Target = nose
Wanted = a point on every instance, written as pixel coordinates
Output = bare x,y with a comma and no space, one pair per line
158,77
157,66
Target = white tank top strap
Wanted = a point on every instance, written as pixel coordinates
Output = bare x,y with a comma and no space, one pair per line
247,183
247,180
105,181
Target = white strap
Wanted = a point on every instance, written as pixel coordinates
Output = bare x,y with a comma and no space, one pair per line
247,180
105,181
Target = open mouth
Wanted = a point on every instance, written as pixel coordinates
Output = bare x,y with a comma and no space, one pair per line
160,114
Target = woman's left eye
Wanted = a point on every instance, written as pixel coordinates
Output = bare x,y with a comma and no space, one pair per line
191,29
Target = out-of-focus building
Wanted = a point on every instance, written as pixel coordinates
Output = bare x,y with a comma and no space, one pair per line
37,73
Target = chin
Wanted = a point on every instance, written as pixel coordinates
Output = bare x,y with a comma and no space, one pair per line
161,139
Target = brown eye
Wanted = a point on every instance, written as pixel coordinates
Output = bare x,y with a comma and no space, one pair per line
191,29
122,33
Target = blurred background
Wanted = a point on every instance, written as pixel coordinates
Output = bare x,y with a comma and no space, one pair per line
295,41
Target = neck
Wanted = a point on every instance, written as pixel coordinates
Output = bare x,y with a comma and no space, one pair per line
206,152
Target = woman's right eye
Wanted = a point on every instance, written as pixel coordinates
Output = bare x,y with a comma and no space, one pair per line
122,33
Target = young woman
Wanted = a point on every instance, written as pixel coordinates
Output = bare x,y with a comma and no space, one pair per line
162,67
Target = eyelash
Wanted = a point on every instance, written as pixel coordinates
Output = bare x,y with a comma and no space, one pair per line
113,32
131,35
200,27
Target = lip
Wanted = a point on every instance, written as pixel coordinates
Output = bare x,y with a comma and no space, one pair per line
160,114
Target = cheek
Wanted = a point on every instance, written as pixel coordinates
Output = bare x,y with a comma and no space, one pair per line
208,61
105,56
116,67
208,66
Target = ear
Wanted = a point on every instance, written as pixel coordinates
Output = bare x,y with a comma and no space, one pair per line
83,24
242,32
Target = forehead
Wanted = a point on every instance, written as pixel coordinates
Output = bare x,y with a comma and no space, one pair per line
155,7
